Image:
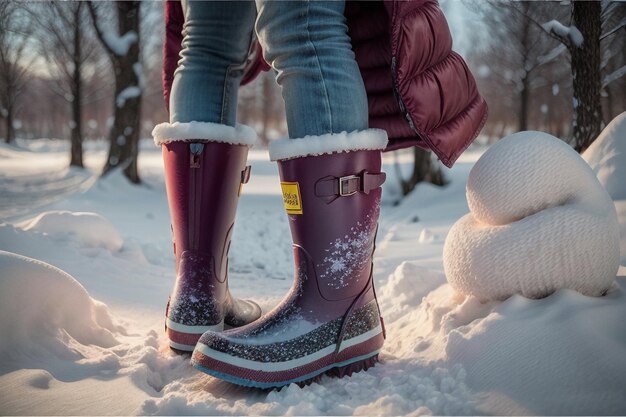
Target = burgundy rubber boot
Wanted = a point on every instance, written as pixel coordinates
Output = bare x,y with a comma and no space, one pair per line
330,320
205,168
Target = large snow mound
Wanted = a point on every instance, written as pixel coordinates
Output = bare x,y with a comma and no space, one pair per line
45,311
539,221
607,157
90,229
561,355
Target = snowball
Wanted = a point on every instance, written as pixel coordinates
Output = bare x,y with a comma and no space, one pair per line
607,157
90,229
41,305
539,221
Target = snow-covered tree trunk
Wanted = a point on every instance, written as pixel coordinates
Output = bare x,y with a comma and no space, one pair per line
123,50
586,17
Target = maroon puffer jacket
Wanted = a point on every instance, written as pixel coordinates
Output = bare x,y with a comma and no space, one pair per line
419,90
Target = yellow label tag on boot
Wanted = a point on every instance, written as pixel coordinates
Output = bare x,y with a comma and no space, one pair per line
291,197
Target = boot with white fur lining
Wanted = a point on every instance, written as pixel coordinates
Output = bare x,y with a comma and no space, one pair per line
330,321
205,169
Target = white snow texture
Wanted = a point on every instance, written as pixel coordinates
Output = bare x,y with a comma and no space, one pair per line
570,32
369,139
120,44
606,155
90,229
40,301
126,94
62,353
539,221
213,132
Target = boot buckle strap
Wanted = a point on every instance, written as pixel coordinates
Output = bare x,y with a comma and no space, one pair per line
349,185
330,188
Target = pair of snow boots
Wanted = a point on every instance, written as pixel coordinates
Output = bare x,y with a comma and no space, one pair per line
329,322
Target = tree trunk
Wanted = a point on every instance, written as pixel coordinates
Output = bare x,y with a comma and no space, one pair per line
76,158
124,134
609,105
10,138
524,93
586,73
423,170
523,99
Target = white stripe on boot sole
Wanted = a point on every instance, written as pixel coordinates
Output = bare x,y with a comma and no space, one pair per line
179,346
290,364
193,329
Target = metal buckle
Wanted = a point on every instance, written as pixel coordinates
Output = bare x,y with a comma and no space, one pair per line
345,181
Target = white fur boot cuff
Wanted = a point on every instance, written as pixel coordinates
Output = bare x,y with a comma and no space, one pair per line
369,139
213,132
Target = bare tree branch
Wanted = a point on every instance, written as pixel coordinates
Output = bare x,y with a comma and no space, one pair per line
619,26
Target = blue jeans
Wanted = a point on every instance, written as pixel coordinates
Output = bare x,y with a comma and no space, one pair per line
305,42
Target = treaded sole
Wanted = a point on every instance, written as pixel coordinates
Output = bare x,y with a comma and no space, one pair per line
338,370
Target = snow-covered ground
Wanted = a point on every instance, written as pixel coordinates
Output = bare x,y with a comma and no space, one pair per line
63,352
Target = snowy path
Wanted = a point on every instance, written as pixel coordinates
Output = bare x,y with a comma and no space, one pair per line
32,185
445,354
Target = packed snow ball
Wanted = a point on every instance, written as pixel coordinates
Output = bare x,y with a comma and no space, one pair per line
539,221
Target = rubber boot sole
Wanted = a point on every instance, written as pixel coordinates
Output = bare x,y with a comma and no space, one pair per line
183,338
352,359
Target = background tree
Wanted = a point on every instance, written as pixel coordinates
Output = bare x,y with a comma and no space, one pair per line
153,109
520,71
14,64
424,168
582,38
613,64
521,50
66,47
261,105
122,46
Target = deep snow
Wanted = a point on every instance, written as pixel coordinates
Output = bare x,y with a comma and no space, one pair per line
62,352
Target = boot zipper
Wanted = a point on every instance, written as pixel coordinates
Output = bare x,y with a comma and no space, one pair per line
195,190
